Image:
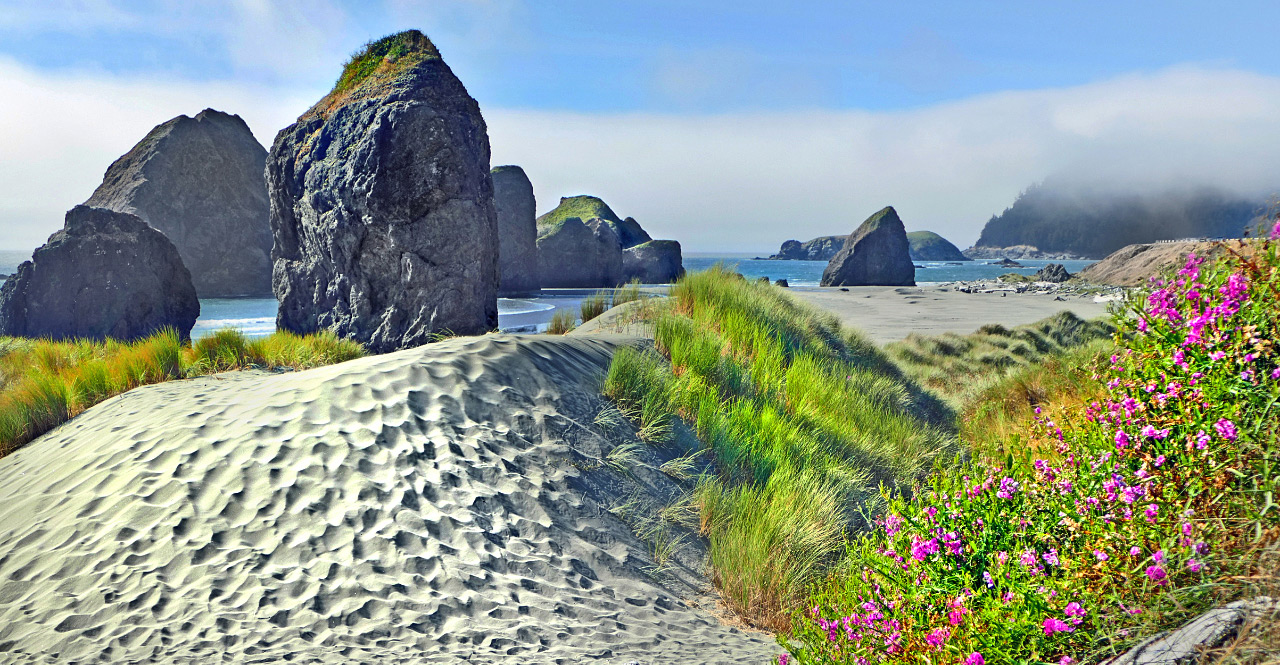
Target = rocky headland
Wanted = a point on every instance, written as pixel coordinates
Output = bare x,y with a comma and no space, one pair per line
877,253
106,274
382,204
515,205
583,243
1066,219
200,181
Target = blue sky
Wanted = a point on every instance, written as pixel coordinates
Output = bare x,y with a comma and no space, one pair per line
717,119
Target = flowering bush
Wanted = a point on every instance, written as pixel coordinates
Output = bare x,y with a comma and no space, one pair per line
1152,500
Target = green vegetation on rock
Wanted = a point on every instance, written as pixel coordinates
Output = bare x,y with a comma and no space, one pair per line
583,207
929,246
388,55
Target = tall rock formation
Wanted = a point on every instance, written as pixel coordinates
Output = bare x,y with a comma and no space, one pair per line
382,204
876,254
199,180
517,231
105,274
929,246
574,250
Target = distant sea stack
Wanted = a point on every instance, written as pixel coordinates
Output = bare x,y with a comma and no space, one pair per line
106,274
582,243
822,248
929,246
517,231
1065,219
382,204
875,254
199,181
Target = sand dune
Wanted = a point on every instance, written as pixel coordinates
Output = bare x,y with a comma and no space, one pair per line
436,505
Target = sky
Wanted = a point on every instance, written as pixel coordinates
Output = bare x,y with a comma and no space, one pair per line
728,125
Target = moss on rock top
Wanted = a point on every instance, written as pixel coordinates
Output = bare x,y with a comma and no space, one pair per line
388,55
582,207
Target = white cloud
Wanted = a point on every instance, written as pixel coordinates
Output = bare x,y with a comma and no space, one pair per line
724,182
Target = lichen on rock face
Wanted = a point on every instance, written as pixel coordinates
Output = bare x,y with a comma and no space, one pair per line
382,206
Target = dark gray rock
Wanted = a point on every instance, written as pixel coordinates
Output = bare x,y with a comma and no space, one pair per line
876,254
517,231
822,248
630,234
1007,263
105,274
199,180
653,262
382,205
1054,272
579,254
782,282
1207,631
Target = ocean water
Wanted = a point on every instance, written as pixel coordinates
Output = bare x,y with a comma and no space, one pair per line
257,316
809,273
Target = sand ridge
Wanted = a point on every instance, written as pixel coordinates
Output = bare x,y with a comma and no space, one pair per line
434,505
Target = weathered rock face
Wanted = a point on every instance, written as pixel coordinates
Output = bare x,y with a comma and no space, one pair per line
105,274
1136,264
574,250
580,254
653,262
821,248
1019,252
929,246
1054,272
199,180
517,231
876,254
382,204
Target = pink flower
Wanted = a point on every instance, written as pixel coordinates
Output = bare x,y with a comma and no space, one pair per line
1202,440
1150,512
937,638
1102,556
1152,433
1122,439
1157,574
1053,625
975,658
1074,610
1158,556
783,659
1135,551
1226,429
1065,660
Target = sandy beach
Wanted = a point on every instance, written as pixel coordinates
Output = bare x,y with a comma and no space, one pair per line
890,313
444,504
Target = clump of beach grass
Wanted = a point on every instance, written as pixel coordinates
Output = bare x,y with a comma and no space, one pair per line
562,321
803,420
44,383
594,305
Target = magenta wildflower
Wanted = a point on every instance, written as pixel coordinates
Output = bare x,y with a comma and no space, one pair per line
1135,551
975,658
1074,610
1053,625
1151,511
1101,556
1122,439
1065,660
937,638
1226,429
1051,557
1194,566
1157,574
784,659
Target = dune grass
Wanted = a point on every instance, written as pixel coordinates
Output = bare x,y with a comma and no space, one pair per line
962,368
804,419
44,383
594,305
605,299
562,321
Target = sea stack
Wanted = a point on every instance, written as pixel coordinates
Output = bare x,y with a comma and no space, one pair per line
583,243
517,231
199,181
382,204
875,254
106,274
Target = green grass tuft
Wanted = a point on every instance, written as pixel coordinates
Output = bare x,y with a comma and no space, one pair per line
44,383
390,54
562,321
